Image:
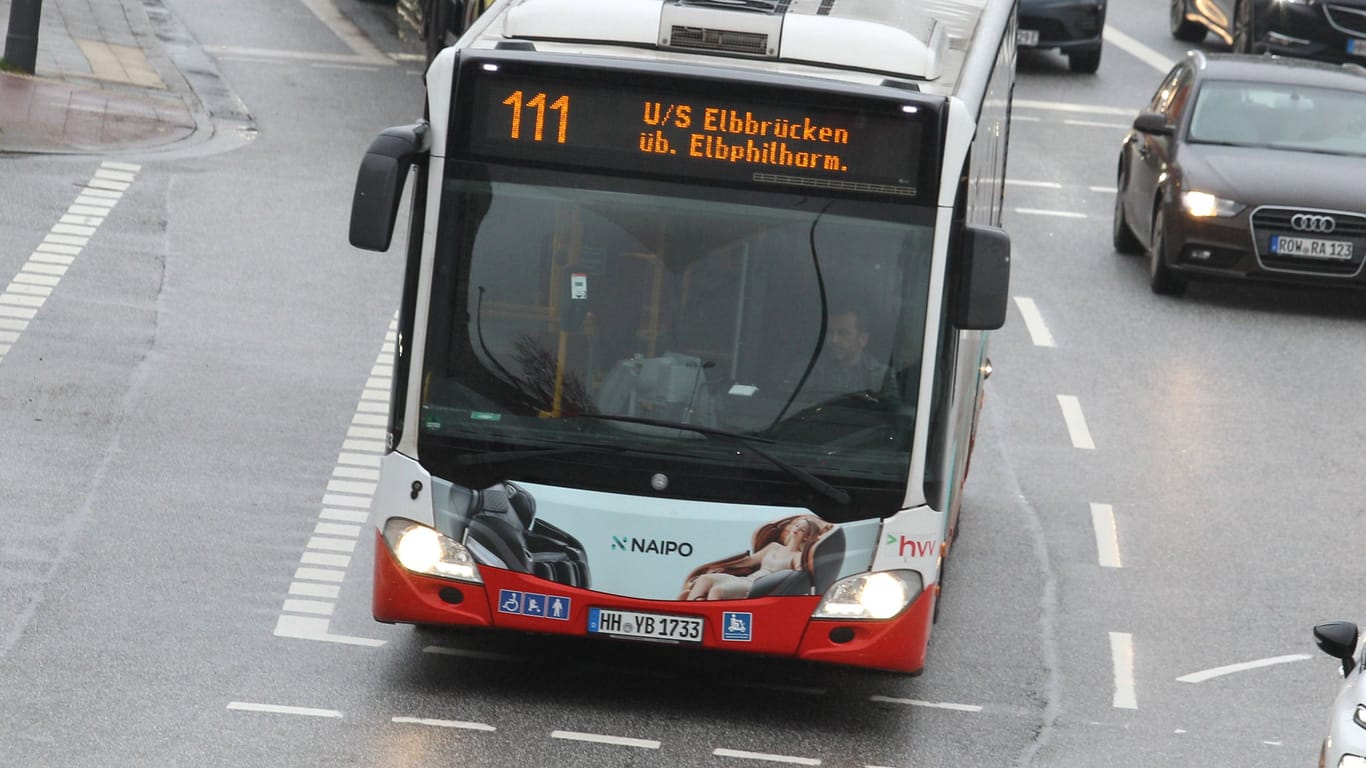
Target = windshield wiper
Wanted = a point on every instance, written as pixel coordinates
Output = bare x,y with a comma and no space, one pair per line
811,481
498,457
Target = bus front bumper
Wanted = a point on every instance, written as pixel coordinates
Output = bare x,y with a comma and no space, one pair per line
775,626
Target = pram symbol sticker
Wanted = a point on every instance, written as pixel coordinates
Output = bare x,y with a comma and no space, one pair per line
533,604
735,626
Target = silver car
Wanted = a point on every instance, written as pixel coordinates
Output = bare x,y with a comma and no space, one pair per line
1345,746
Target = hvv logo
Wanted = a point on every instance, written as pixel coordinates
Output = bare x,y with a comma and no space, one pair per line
652,546
913,547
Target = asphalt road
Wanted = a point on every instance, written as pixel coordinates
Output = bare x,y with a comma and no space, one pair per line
1165,496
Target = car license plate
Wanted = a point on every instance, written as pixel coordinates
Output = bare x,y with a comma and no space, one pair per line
1356,47
1027,37
649,626
1311,248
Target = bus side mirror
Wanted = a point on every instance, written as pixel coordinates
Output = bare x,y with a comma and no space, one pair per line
983,279
379,185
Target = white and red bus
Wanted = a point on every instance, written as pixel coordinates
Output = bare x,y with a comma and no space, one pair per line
693,328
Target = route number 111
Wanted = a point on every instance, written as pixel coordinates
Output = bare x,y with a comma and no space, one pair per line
540,105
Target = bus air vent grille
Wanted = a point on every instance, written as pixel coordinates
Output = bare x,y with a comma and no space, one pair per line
730,41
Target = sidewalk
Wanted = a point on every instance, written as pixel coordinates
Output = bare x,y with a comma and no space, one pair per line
103,82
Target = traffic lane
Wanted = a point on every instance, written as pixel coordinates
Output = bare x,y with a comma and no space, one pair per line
1183,477
509,704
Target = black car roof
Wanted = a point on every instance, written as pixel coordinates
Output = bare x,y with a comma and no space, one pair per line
1279,69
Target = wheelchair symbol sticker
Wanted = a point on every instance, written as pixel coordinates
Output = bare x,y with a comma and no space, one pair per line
736,626
509,601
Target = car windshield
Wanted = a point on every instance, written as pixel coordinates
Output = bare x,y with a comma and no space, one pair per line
784,317
1280,116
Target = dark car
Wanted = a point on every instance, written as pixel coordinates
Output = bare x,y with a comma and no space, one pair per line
1328,30
1073,27
1248,167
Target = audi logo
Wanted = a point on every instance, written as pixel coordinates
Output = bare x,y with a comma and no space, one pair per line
1305,222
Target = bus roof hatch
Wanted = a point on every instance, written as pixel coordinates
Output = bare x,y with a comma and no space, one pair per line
868,35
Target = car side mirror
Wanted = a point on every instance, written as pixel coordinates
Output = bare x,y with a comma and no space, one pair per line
983,287
379,185
1339,640
1152,122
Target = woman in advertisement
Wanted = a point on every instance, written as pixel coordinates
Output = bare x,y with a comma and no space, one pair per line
782,545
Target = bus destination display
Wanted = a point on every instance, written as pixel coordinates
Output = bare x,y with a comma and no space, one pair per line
677,133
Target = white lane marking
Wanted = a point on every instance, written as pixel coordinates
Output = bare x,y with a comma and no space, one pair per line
1076,422
1122,649
1138,50
341,522
280,709
342,26
1274,743
1038,329
1041,184
597,738
1062,106
30,288
721,752
1200,677
1046,212
1111,190
463,724
930,704
1107,536
1096,124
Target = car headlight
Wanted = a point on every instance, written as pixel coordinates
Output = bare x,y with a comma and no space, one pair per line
879,595
1360,715
1299,2
427,551
1203,204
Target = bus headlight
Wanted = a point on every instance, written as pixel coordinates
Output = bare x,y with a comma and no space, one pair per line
424,550
879,595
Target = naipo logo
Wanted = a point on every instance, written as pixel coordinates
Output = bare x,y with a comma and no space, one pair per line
652,546
912,547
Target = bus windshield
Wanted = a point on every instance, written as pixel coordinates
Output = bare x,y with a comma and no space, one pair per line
578,310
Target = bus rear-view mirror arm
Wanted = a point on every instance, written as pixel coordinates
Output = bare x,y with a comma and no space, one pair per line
379,185
983,279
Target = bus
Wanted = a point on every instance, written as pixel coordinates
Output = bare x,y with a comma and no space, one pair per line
693,328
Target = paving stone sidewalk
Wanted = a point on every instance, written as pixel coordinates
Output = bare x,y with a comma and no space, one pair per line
102,82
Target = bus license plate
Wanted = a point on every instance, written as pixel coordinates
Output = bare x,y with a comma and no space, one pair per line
650,626
1313,248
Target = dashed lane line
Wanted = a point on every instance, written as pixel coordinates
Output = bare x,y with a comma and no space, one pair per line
1063,106
1076,422
280,709
1038,329
1027,183
930,704
1138,50
765,757
1122,652
40,275
1050,212
1107,536
307,610
461,724
598,738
